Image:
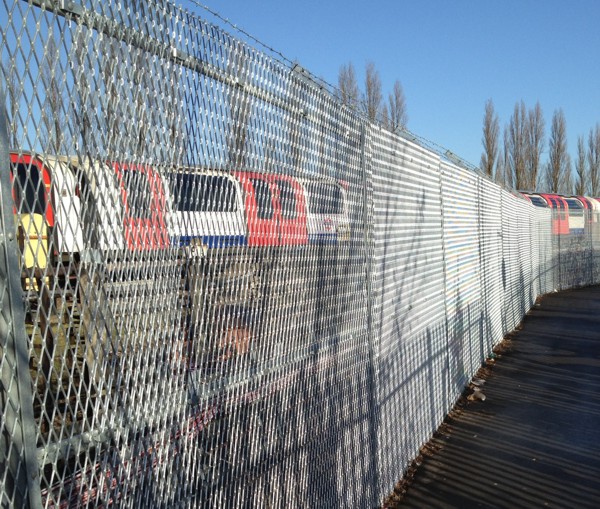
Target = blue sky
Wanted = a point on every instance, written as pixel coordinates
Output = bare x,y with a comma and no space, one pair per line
450,56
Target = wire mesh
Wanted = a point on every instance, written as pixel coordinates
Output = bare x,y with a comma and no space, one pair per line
225,288
408,300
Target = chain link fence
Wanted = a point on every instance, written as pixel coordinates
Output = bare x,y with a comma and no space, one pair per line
222,287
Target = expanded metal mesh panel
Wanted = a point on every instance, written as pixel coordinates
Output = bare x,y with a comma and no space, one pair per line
512,268
17,449
576,255
595,234
490,228
593,226
525,256
544,257
463,273
219,286
190,216
408,295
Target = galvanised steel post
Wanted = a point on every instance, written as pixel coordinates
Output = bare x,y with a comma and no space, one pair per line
20,480
368,226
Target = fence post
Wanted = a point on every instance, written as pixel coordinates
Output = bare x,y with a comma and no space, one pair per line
369,227
19,481
448,396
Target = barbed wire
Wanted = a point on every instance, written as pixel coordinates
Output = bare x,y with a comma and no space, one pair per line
334,90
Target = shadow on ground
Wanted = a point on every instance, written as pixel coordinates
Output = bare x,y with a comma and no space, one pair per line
535,440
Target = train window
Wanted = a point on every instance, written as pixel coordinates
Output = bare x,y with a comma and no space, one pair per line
203,193
264,200
138,194
287,198
575,207
325,198
538,201
30,194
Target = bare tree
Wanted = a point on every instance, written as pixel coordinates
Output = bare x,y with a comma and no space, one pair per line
385,118
567,186
52,110
396,108
559,163
392,114
491,132
509,178
515,139
580,167
372,97
534,145
499,175
347,91
503,173
594,160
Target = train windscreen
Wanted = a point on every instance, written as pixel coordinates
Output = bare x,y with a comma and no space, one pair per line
325,198
30,195
203,193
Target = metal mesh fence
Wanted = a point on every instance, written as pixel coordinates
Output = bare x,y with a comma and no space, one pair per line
408,300
220,286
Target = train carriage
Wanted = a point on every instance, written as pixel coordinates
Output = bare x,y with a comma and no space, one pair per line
560,218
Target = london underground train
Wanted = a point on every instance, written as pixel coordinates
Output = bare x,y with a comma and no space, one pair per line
69,205
219,209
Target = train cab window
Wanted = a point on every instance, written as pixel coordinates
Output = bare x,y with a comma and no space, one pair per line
575,207
30,195
203,193
287,198
138,194
264,199
538,201
325,198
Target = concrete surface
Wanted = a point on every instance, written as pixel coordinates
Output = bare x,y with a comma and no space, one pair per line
535,440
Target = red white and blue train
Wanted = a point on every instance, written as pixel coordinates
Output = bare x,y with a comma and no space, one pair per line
575,215
136,208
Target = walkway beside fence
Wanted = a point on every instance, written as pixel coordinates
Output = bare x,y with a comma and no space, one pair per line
535,440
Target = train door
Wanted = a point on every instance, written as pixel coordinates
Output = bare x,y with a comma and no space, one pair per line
563,207
68,234
291,202
262,211
560,220
595,217
326,211
143,197
588,209
101,206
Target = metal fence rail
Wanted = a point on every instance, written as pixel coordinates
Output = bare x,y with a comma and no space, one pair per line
221,287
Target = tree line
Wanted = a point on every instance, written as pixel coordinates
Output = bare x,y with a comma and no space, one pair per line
388,111
516,160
